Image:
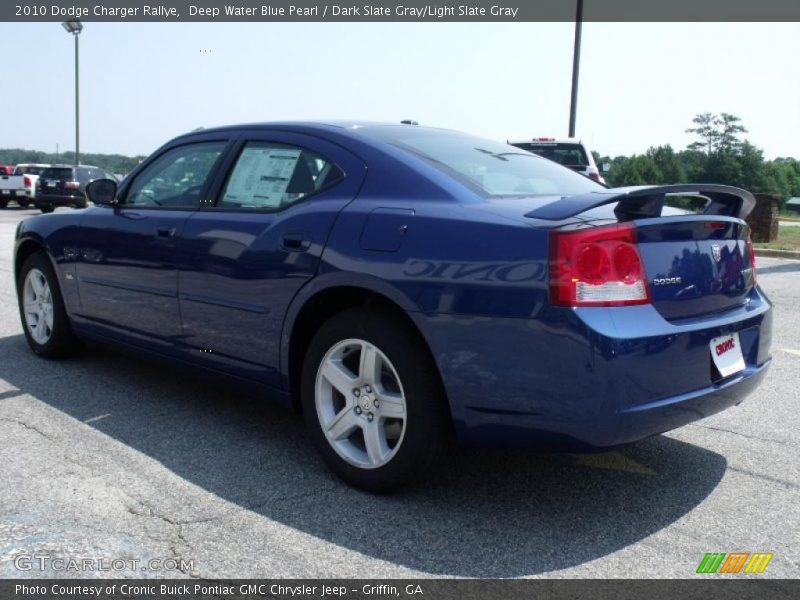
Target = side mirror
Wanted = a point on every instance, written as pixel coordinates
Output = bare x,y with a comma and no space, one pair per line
102,191
605,168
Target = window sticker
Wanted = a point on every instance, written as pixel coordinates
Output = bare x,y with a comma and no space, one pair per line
261,177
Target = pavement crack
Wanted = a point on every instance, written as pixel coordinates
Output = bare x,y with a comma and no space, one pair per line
744,435
781,482
27,426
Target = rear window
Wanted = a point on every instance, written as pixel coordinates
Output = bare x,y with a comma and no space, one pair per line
29,170
569,155
57,173
491,168
87,174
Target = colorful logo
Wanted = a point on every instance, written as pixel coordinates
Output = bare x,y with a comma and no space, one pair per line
734,562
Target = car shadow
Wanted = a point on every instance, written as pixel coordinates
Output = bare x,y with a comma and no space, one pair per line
489,514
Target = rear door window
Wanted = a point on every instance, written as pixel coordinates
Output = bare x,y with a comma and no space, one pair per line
271,176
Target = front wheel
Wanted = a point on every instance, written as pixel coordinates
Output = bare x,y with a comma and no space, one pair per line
372,400
44,318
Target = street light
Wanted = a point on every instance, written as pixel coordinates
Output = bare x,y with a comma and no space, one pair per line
75,28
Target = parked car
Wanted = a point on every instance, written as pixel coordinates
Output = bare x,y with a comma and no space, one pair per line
396,284
64,185
573,154
12,187
6,169
31,173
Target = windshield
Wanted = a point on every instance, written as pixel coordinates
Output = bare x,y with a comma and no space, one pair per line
491,168
569,155
29,170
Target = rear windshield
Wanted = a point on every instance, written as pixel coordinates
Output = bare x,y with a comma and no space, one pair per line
30,170
493,169
57,173
569,155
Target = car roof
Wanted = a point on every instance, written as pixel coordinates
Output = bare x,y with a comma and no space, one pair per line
542,140
339,126
63,166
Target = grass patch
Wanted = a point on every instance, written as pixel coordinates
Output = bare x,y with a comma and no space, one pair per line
788,239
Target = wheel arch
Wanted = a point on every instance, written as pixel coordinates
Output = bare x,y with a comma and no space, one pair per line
324,300
25,248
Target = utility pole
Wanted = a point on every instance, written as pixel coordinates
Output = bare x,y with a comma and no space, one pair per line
576,63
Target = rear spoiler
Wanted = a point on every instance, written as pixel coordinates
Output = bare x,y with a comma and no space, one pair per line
645,201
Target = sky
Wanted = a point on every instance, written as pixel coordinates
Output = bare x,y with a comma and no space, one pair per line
640,83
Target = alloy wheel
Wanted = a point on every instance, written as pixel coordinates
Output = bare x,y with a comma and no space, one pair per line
37,304
360,403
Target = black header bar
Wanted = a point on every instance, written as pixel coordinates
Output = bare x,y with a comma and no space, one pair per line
420,11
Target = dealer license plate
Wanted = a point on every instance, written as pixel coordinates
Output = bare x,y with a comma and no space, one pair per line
727,354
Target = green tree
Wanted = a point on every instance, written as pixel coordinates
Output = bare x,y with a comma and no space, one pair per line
717,133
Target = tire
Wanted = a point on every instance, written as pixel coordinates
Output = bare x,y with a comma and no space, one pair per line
46,208
56,339
3,203
401,449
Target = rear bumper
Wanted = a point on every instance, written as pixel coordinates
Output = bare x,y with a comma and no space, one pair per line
60,200
590,378
14,194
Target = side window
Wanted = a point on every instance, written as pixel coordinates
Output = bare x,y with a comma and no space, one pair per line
176,178
272,176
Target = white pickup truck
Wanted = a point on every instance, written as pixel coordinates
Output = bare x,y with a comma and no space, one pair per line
20,186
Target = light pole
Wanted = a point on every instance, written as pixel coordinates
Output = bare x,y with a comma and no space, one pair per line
576,63
75,28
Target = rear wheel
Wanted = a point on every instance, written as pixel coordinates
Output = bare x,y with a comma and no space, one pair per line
3,203
372,400
46,208
44,319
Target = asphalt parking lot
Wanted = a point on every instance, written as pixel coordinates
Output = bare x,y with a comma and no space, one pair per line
104,456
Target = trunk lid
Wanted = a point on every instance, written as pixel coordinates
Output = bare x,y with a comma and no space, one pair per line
692,239
696,265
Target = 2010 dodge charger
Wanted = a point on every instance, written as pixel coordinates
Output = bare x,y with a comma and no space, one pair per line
397,283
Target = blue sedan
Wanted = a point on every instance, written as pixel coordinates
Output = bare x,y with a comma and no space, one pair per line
400,285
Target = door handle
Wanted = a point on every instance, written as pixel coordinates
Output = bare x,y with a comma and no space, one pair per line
295,242
166,233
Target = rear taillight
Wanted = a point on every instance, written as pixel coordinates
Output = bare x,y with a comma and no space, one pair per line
27,181
72,185
599,266
751,250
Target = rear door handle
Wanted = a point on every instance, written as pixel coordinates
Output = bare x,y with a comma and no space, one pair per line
295,242
166,233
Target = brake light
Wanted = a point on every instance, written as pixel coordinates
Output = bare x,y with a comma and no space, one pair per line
600,266
72,185
27,181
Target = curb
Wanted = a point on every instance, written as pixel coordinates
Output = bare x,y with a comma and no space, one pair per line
791,254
